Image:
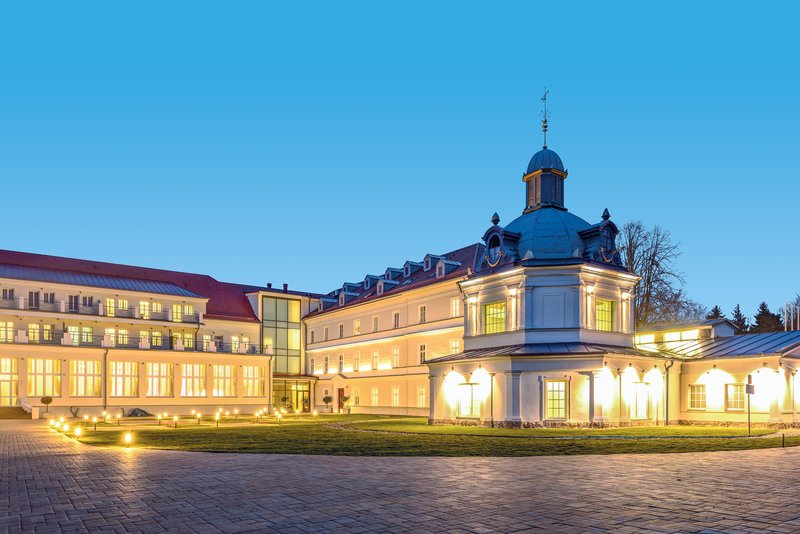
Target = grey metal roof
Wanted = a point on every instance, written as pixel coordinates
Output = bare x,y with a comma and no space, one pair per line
544,349
19,272
545,159
773,343
549,233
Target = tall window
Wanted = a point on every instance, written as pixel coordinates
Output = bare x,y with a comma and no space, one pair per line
224,381
9,381
85,378
111,307
206,341
455,346
376,355
604,315
468,403
312,337
341,363
697,397
556,399
193,380
326,366
455,307
375,324
8,294
422,400
395,356
734,396
75,333
6,331
422,350
325,334
356,397
156,339
47,332
396,320
122,337
494,317
87,335
374,398
341,331
124,379
33,333
111,334
157,310
356,326
423,314
281,331
144,309
395,397
177,313
356,361
234,344
73,303
253,381
159,379
44,377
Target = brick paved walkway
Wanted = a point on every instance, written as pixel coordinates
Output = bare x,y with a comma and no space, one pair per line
50,483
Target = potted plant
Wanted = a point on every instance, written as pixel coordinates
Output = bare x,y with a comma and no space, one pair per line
347,406
327,399
47,401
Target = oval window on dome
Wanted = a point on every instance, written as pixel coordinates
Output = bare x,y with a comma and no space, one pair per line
494,249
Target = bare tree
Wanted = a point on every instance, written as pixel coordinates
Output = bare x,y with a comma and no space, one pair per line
653,255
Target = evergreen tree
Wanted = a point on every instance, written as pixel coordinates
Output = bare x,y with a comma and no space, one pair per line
716,313
741,322
766,321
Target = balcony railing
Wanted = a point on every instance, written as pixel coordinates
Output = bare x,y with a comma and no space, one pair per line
61,338
99,310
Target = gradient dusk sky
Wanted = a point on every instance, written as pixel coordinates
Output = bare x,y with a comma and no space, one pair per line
316,142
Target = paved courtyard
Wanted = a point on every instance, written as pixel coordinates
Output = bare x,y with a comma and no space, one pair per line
49,483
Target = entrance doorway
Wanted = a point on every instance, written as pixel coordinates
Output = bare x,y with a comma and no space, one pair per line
8,382
341,399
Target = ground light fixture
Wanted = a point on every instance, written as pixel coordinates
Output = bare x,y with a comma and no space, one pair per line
128,439
52,422
278,415
315,414
65,428
61,420
94,421
217,418
199,415
159,419
236,414
175,421
57,425
85,420
118,417
78,432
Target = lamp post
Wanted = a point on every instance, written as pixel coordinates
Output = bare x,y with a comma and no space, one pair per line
159,419
118,419
175,422
199,415
217,418
128,439
236,414
85,420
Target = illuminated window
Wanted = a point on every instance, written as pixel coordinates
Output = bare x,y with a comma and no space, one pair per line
422,351
47,332
122,305
6,331
494,316
33,333
155,339
156,310
159,380
422,400
124,379
206,341
326,367
75,333
374,396
356,361
734,396
690,334
234,344
253,381
455,307
395,356
697,397
603,315
9,381
44,378
672,336
356,397
111,334
193,380
395,397
85,378
376,356
87,335
423,314
224,381
186,338
177,313
645,338
556,399
312,366
640,401
122,337
455,346
341,363
356,327
468,403
111,307
144,309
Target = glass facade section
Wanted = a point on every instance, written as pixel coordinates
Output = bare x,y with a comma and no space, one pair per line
604,315
494,316
292,395
281,333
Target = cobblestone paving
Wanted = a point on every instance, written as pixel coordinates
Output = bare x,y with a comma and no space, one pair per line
49,483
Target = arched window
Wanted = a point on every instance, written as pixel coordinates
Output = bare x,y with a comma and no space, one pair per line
494,248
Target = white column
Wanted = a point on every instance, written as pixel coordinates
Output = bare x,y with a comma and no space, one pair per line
512,397
432,396
598,411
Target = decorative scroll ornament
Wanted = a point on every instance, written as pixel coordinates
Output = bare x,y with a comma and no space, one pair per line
496,262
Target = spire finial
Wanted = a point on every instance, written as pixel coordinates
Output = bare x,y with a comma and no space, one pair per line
495,219
544,116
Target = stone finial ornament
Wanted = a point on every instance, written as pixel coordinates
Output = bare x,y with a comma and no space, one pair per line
495,219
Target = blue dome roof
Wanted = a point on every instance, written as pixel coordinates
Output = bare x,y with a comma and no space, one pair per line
545,159
549,233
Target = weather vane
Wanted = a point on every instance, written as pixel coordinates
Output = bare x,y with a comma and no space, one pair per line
544,116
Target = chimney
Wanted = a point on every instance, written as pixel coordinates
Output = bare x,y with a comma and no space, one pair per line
285,288
269,285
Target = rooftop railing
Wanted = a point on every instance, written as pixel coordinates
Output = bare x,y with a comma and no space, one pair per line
98,309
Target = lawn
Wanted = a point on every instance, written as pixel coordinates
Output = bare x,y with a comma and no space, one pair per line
305,435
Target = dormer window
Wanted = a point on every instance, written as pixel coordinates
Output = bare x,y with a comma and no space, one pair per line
440,270
494,249
427,264
407,271
380,288
366,283
341,298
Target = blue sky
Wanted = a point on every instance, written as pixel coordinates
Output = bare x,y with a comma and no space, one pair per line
315,142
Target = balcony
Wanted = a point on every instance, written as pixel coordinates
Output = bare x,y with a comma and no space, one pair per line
60,338
98,310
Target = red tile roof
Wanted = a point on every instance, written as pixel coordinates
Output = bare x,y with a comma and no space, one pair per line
466,256
225,300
